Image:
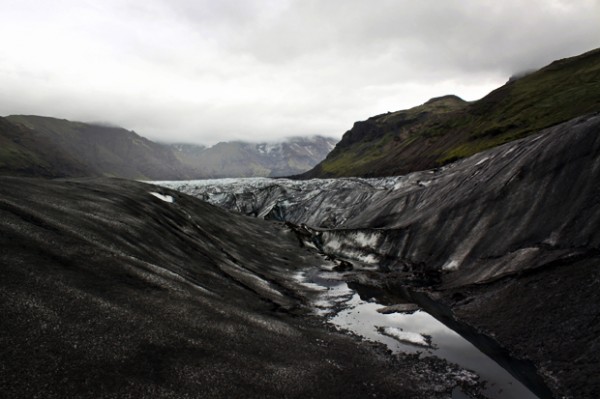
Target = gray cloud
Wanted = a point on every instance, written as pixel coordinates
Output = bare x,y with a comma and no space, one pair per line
206,71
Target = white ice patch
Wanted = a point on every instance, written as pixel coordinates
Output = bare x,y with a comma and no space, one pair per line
405,336
370,258
451,265
367,240
309,244
301,278
286,203
332,245
553,239
482,161
166,198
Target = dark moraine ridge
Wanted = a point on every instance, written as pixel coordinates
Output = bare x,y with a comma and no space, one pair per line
109,291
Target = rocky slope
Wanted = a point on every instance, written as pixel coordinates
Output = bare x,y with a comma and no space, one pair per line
446,128
113,288
99,150
491,236
245,159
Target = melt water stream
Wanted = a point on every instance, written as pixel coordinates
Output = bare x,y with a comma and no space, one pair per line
408,332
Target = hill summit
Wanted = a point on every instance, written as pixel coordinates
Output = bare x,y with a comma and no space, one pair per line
447,128
94,149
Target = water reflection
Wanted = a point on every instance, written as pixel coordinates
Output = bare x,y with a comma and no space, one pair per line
345,309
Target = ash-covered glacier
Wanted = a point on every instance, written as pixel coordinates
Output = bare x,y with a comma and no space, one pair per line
514,207
507,241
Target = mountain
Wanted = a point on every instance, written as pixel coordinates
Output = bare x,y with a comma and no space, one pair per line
51,147
447,128
98,150
244,159
505,241
117,288
26,152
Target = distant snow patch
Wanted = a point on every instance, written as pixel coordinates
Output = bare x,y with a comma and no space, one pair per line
166,198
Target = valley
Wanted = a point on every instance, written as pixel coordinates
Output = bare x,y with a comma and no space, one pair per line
113,288
445,251
468,236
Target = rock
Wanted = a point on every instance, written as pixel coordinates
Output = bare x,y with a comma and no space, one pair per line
399,308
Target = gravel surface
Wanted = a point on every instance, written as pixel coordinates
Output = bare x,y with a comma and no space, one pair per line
110,291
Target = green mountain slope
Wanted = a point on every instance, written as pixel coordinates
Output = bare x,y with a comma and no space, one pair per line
25,152
446,128
105,151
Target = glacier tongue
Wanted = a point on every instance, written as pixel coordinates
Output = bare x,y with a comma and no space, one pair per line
504,236
326,203
514,207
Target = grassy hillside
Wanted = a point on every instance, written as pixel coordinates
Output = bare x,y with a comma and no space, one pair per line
25,152
42,146
446,128
106,151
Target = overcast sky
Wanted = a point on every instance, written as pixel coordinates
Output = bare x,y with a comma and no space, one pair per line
213,70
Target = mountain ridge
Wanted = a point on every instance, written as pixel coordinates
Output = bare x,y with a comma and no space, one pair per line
426,137
56,147
106,150
255,159
25,152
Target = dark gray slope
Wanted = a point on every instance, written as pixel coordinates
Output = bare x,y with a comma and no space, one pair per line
108,291
520,206
101,150
517,206
549,316
26,152
509,238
